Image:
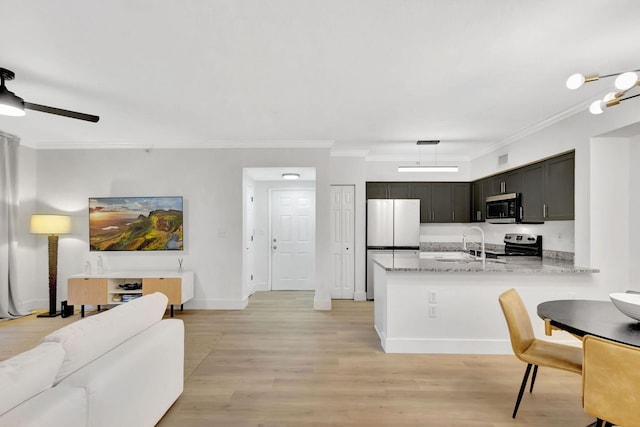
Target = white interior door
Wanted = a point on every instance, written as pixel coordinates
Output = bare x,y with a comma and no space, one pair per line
293,228
342,240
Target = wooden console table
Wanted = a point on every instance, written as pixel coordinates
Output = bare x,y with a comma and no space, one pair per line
104,289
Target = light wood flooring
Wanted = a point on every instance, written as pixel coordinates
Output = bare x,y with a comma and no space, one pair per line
280,363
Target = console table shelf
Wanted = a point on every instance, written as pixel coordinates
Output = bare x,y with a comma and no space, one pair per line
104,289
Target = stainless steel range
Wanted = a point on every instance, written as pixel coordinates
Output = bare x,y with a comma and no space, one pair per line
516,244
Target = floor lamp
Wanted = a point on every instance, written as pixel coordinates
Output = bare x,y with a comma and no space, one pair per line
53,225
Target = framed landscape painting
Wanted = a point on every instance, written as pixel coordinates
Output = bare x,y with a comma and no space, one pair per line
135,224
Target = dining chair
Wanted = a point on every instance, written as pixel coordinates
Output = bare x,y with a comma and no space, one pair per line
611,382
529,349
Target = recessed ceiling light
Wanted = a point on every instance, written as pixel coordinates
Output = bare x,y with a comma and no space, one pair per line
290,176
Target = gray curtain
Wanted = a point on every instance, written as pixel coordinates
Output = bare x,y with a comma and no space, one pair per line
8,222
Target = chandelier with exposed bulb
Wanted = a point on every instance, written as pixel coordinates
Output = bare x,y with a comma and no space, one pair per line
624,84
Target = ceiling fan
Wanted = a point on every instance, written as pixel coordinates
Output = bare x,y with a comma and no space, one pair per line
12,105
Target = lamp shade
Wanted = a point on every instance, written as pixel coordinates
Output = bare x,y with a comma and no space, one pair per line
10,104
50,224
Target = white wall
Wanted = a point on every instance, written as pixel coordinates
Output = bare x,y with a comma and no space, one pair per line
610,211
210,180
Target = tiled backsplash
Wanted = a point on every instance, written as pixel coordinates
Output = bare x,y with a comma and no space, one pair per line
457,247
557,236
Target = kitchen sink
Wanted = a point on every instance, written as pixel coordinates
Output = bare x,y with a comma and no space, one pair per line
451,256
457,257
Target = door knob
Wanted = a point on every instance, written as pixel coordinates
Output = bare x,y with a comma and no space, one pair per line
275,247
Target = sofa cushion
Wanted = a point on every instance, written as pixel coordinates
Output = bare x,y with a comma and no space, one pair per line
27,374
89,338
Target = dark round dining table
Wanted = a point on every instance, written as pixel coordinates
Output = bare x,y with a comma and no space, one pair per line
587,317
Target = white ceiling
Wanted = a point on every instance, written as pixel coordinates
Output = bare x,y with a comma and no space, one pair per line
362,76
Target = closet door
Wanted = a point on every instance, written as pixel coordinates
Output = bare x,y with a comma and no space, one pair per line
342,241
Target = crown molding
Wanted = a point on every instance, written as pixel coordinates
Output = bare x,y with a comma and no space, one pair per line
536,127
173,145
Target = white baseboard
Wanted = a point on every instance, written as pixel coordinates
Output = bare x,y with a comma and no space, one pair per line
443,346
321,303
360,296
446,346
262,286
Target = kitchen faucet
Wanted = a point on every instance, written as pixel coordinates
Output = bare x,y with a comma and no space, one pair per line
483,255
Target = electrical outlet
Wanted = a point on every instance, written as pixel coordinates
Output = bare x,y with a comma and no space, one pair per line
433,297
433,310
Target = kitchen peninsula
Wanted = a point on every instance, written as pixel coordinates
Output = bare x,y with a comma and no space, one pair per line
448,302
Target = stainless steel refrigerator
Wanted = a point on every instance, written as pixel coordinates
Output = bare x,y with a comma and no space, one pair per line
393,227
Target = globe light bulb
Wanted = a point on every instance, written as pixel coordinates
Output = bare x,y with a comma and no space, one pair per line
608,97
597,107
575,81
626,81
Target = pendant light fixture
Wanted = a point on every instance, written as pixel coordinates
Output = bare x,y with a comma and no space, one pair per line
624,83
426,168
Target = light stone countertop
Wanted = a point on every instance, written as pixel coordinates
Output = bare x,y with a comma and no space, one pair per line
506,264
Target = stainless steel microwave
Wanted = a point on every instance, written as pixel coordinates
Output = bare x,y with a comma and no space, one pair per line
504,208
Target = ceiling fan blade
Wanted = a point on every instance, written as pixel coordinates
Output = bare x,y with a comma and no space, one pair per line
61,112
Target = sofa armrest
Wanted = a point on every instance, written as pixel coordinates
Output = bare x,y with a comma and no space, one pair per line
136,382
57,406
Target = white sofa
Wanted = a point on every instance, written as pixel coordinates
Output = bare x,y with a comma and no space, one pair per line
123,367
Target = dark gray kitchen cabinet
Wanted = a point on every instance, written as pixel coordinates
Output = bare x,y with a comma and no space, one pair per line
377,190
559,188
492,186
507,182
422,191
399,190
442,202
461,201
533,192
512,181
388,190
477,202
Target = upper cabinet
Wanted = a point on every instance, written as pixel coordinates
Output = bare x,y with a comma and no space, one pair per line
440,202
533,192
388,190
461,201
547,189
423,191
559,201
